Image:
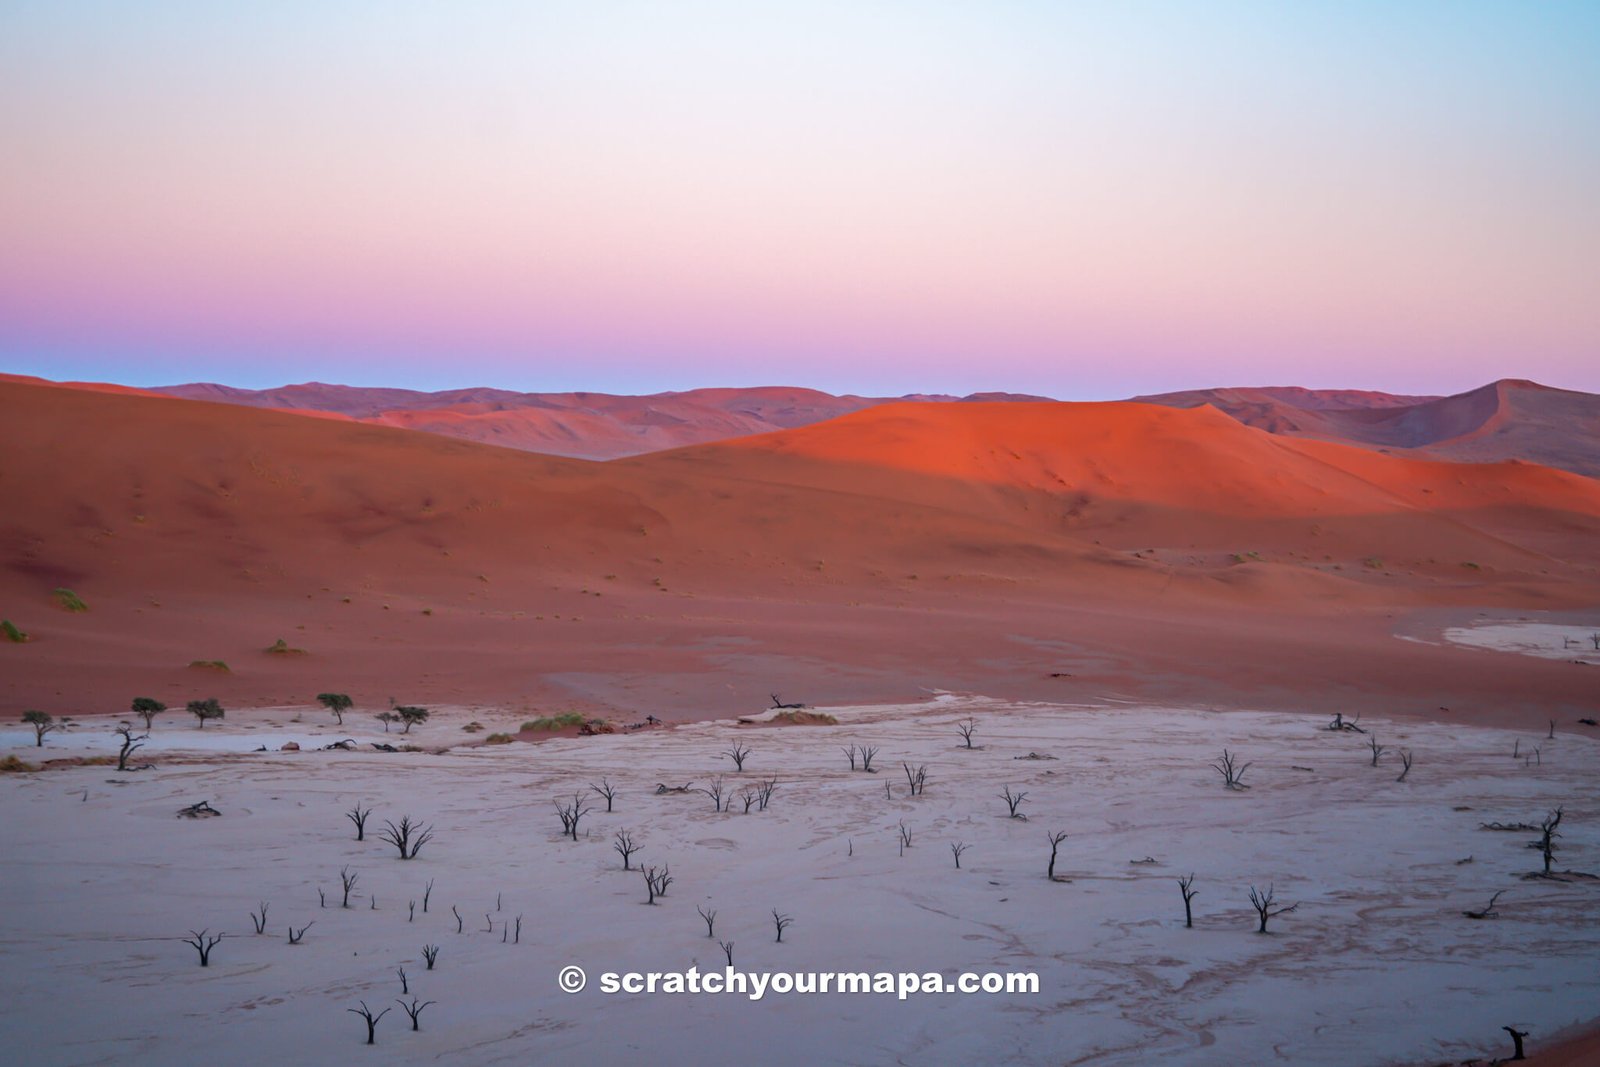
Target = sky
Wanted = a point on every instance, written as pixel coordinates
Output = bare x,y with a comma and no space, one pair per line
1081,200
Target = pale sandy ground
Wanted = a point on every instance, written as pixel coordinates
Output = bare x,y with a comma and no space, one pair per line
1376,966
1544,640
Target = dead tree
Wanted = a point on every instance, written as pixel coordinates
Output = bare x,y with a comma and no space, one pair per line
1488,911
1186,887
1405,762
1377,749
411,911
738,753
296,935
426,893
781,706
258,918
348,879
372,1020
1232,773
1547,836
460,923
749,795
781,922
408,838
1055,843
1516,1041
130,745
358,815
570,815
1338,724
916,779
626,846
764,793
715,792
656,882
956,849
430,953
606,790
850,754
516,937
710,916
322,898
1013,802
1263,903
867,752
203,944
965,729
727,950
905,837
1551,735
414,1009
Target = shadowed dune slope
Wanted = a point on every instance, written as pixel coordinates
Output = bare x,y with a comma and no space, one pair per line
1508,419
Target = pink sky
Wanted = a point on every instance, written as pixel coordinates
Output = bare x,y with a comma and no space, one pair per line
1082,201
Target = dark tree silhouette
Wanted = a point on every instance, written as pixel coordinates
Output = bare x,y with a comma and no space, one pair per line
966,729
202,944
206,709
130,745
1232,774
605,789
1263,903
1055,843
411,716
372,1020
338,703
414,1009
358,815
1013,802
626,846
43,723
738,753
147,709
781,922
407,838
1189,894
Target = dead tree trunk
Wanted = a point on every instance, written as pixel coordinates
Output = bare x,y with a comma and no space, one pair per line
626,846
1185,887
203,944
782,922
1263,903
1516,1041
1055,843
358,815
371,1019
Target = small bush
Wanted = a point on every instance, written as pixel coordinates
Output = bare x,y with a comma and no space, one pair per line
498,739
806,718
553,722
1472,566
473,727
69,600
9,631
12,765
1374,562
210,665
280,647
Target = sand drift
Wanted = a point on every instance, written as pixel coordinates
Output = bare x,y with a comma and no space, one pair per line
1376,963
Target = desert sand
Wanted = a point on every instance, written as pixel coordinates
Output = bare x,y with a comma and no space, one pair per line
1128,587
1036,551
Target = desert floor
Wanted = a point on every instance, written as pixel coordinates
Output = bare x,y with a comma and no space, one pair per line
1376,964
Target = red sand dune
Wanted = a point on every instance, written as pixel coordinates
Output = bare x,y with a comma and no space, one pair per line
578,425
1147,552
1508,419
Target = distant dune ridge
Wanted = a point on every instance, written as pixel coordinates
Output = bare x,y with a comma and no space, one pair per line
1508,419
1029,549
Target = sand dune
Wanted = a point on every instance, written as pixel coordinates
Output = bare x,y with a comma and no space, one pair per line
579,425
1508,419
1016,549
